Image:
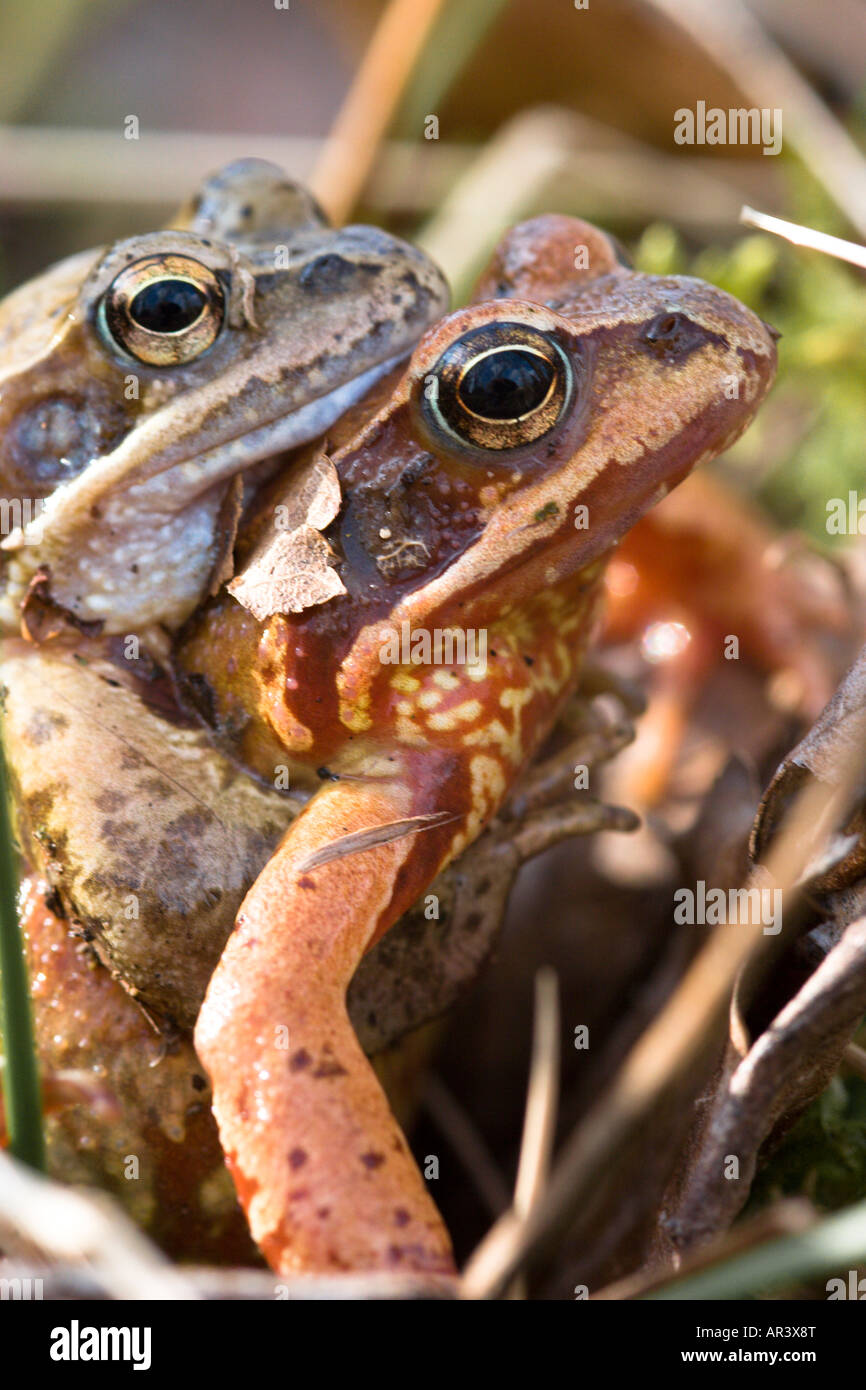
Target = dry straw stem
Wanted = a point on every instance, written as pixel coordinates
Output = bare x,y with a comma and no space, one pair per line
602,175
542,1099
806,236
467,1142
735,41
833,1246
369,107
664,1051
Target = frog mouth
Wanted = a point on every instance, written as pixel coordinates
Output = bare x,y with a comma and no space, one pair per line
193,473
137,538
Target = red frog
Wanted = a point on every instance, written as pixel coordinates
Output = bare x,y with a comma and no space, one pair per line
458,541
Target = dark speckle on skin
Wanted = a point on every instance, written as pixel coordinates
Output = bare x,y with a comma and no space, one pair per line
110,801
44,724
327,273
299,1060
158,787
371,1159
189,826
401,1217
306,882
329,1066
130,760
297,1158
117,830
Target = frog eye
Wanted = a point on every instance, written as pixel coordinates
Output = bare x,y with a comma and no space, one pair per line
163,310
499,386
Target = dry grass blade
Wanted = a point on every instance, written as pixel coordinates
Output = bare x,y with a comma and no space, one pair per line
371,102
376,835
43,164
542,1098
465,1139
551,157
789,1217
806,236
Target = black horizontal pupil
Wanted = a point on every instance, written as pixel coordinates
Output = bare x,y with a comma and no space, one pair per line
167,306
506,385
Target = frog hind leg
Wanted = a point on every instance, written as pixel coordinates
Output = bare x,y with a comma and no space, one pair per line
321,1168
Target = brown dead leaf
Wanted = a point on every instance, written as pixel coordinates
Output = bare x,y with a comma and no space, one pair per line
292,569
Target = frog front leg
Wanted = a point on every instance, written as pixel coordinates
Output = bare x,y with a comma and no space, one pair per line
320,1165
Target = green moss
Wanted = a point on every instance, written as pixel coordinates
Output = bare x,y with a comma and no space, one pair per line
823,1157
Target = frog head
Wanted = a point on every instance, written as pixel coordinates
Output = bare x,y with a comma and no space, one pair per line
137,381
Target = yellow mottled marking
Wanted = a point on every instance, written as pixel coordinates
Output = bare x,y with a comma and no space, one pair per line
406,725
406,684
494,731
356,717
488,784
442,723
460,714
446,680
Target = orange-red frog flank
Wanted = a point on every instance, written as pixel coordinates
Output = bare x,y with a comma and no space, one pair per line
457,571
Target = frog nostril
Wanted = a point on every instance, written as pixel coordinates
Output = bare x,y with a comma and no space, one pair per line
665,326
672,334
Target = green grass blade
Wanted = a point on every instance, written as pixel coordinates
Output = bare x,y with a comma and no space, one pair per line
21,1096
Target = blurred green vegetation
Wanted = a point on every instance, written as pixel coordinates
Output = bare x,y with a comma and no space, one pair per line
807,444
823,1156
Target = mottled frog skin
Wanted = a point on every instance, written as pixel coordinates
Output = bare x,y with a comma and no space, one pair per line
478,494
139,384
483,498
137,381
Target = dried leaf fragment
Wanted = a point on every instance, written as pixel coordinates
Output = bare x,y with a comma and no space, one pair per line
292,567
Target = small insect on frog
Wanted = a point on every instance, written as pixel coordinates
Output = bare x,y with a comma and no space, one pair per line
480,503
